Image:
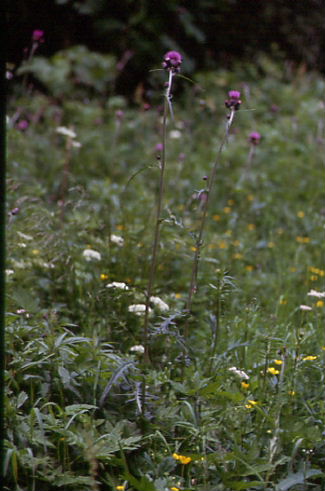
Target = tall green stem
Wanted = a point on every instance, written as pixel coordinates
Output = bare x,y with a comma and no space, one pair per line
199,240
155,245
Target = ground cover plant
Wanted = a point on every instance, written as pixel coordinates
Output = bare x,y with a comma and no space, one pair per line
225,392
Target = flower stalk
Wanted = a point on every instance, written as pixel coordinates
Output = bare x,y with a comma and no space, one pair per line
172,62
233,103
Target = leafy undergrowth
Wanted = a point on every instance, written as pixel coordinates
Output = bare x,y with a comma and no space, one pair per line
239,402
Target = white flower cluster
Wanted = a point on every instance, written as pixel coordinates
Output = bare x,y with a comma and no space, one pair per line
315,293
117,284
240,373
116,239
160,304
138,308
138,348
69,133
305,308
90,254
63,130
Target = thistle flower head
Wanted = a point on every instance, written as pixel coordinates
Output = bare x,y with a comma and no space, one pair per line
159,147
38,35
233,100
172,61
255,138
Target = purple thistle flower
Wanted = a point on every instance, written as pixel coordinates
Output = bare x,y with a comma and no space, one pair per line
255,138
172,61
119,114
159,147
22,125
38,35
234,100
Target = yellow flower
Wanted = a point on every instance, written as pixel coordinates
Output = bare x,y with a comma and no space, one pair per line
174,489
320,303
302,240
300,214
323,348
216,218
283,301
223,244
250,197
120,227
237,255
292,393
310,358
251,226
244,385
230,202
249,267
227,209
35,252
193,248
182,458
271,245
120,488
104,276
313,277
250,404
178,295
278,362
273,371
236,243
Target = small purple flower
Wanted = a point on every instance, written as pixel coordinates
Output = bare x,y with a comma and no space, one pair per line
38,35
22,125
172,61
255,138
119,114
234,100
159,147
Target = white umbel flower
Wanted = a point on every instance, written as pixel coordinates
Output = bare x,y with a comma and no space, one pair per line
160,304
138,308
63,130
90,254
116,239
117,284
305,307
315,293
240,373
138,348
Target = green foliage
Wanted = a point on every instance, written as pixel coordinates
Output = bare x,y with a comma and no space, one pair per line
73,71
242,400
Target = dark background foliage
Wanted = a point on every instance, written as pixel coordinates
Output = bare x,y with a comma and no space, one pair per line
210,33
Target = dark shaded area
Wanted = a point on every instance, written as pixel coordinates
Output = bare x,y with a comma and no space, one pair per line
210,33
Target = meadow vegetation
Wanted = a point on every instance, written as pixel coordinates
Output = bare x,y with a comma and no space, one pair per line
236,403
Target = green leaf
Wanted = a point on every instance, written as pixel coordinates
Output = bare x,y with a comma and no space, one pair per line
143,485
21,399
297,478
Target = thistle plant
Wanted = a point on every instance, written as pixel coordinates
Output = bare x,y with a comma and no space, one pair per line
254,140
172,62
233,104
